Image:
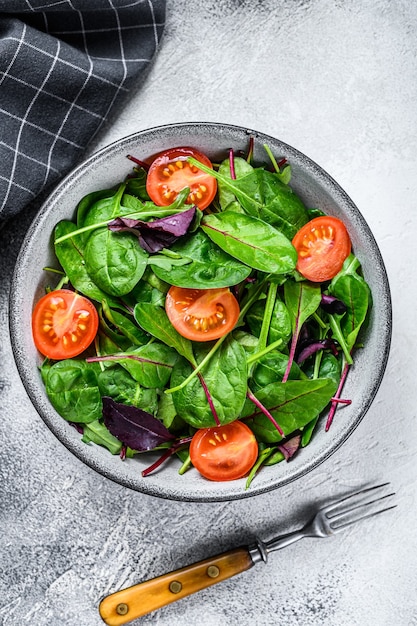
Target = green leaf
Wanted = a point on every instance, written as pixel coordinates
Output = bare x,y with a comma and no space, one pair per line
154,321
115,261
293,404
226,378
72,388
116,382
97,433
280,327
251,241
208,265
302,299
241,167
70,254
150,365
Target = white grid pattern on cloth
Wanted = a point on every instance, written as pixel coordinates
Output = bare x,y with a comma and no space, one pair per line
57,86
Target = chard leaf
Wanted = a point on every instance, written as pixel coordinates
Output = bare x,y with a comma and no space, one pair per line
134,427
241,168
263,195
150,365
251,241
302,300
293,404
157,234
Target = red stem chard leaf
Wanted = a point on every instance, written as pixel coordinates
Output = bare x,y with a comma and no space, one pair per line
158,234
135,428
290,447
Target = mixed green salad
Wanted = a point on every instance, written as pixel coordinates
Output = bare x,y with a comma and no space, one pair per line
201,311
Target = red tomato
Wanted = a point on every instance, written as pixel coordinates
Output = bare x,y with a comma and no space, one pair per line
202,314
322,245
224,452
170,172
63,324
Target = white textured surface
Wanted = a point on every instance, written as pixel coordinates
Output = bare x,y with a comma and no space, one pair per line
337,80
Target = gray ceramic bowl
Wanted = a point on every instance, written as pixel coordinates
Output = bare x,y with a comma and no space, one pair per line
109,166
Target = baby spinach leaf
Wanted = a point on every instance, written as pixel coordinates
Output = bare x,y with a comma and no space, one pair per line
97,433
251,241
293,404
226,378
134,427
167,413
72,388
271,368
70,254
154,321
114,261
350,287
91,199
116,382
208,265
103,208
136,185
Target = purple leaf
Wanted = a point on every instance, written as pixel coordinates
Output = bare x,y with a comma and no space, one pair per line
290,447
158,234
332,305
311,347
133,427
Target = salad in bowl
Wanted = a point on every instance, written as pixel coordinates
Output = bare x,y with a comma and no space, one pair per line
203,317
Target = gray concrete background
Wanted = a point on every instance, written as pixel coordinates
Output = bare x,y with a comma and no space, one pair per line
338,81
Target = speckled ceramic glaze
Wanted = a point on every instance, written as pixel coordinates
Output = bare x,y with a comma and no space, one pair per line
106,168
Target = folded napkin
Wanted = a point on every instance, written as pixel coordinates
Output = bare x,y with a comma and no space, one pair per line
64,66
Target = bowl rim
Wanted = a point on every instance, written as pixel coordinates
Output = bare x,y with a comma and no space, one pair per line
81,450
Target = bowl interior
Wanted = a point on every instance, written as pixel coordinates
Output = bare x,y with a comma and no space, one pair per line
108,167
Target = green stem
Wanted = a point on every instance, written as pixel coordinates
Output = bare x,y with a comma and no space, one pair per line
272,158
135,215
266,322
199,367
258,355
338,335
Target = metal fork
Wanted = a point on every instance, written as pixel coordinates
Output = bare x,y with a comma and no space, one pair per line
123,606
329,520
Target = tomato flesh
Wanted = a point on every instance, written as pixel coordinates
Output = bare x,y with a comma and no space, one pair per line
64,324
202,314
170,173
223,453
322,246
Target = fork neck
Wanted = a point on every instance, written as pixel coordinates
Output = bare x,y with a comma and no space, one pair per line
260,550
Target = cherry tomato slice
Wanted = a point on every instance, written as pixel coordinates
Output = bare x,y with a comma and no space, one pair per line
202,314
224,452
170,172
322,246
64,324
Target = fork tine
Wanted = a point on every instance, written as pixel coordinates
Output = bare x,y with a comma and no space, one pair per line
342,526
335,505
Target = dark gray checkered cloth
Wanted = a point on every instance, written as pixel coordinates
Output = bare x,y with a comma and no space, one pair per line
64,66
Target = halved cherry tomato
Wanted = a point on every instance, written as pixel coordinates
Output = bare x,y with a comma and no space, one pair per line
170,172
322,245
64,324
224,452
202,314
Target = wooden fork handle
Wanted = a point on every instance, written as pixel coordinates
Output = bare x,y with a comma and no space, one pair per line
126,605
